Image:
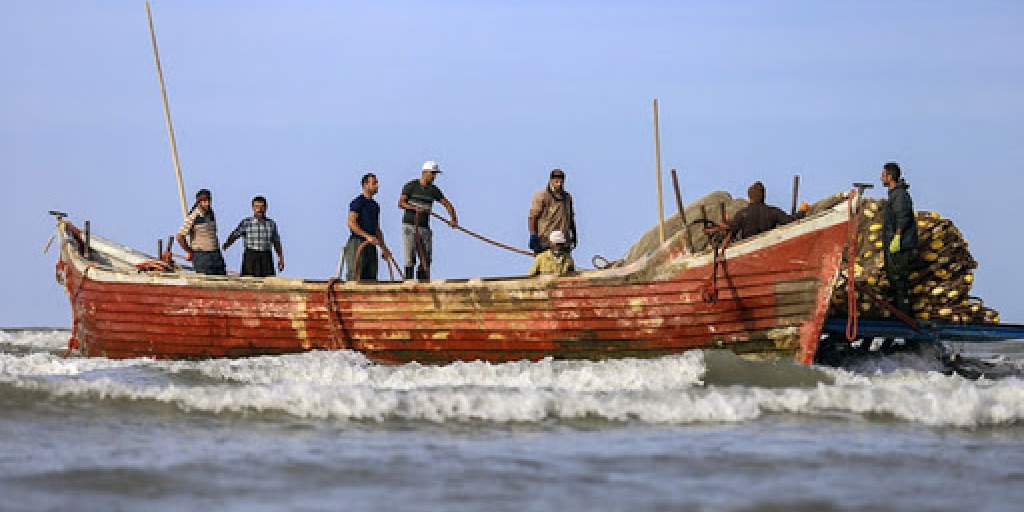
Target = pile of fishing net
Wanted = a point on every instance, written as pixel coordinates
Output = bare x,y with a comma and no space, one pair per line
710,207
715,207
941,277
941,274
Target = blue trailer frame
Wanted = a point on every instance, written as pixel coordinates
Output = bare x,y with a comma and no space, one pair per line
926,331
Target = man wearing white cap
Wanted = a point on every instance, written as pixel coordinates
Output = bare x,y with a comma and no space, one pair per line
417,198
555,260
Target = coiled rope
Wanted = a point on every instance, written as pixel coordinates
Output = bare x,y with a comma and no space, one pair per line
389,260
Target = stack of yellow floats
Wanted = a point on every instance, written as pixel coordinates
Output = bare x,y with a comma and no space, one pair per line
941,278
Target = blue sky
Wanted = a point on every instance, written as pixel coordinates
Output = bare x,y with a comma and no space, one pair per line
296,100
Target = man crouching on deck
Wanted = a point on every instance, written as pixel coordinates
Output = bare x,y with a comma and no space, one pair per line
201,227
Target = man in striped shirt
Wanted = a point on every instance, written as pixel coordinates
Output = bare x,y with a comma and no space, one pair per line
260,233
200,228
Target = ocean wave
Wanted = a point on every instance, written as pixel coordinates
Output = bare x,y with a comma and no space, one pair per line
42,338
669,390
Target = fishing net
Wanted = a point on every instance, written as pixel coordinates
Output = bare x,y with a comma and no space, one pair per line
941,277
709,207
941,273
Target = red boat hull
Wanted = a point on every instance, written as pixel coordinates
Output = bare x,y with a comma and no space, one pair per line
772,296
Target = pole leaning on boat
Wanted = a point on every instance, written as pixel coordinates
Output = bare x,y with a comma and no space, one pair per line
657,164
167,113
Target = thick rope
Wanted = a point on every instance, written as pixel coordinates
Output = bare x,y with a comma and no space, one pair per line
389,260
394,268
334,317
424,264
709,289
485,239
851,286
73,343
882,303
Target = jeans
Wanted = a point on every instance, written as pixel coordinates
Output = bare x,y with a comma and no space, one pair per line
209,262
411,247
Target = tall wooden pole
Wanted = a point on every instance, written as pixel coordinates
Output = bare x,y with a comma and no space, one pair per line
167,114
657,163
796,193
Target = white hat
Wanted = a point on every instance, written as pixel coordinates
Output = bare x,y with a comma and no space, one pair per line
431,166
556,237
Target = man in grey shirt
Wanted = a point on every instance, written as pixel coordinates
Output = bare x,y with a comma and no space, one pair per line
417,198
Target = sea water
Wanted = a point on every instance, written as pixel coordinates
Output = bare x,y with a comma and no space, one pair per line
702,431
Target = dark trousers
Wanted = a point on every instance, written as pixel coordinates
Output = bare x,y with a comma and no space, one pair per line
209,262
366,268
257,263
897,269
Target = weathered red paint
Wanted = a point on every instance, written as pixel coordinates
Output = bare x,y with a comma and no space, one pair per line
772,302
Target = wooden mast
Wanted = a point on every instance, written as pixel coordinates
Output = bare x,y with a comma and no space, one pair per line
167,114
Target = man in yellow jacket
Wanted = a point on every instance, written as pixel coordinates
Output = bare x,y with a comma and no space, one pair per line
555,260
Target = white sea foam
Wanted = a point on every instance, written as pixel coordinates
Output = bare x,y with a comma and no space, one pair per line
669,390
48,339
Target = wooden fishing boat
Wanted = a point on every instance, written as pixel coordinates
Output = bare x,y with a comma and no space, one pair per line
764,297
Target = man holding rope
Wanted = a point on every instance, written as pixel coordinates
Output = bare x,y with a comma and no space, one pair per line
364,223
417,198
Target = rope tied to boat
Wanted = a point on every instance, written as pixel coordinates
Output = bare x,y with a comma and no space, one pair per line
154,265
62,267
851,260
334,321
709,288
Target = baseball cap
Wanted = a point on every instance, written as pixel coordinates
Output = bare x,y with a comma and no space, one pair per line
431,166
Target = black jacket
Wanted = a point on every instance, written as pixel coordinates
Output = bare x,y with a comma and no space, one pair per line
899,213
756,218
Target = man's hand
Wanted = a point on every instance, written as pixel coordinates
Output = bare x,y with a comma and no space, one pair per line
280,264
535,243
715,228
188,255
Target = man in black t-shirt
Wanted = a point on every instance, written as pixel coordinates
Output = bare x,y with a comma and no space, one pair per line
417,198
364,223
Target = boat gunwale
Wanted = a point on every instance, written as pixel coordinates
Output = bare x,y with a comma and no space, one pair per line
669,255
